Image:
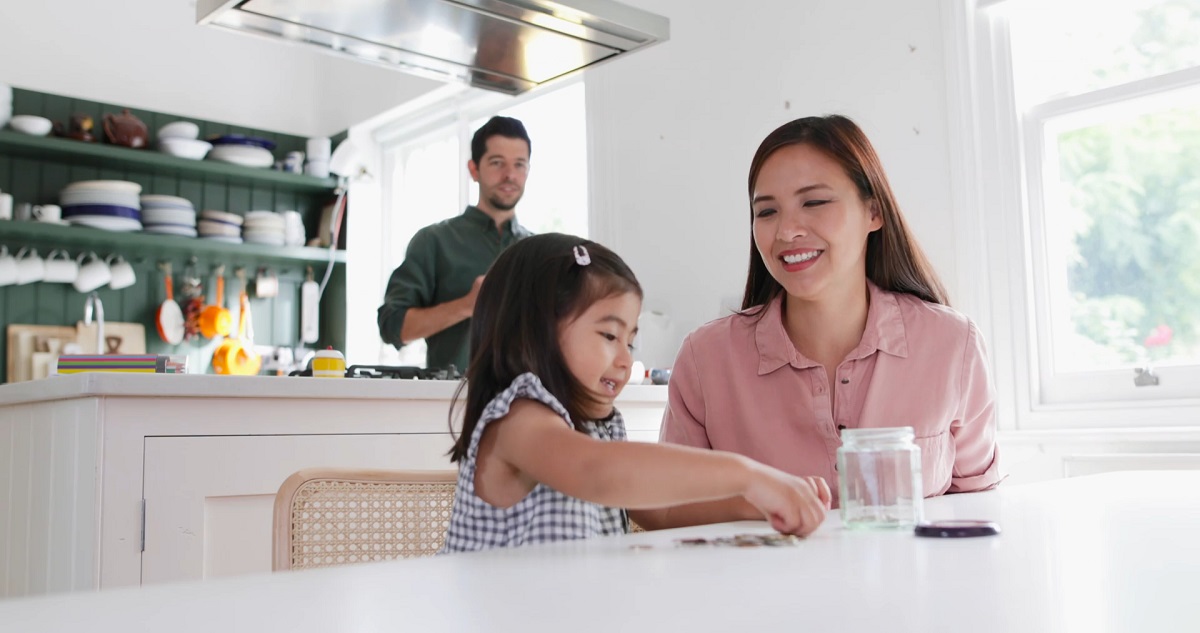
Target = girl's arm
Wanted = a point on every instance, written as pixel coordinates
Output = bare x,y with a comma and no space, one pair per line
534,442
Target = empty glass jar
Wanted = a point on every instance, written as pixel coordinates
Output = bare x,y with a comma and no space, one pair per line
879,478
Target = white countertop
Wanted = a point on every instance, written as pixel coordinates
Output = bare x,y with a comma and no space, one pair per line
1113,553
295,387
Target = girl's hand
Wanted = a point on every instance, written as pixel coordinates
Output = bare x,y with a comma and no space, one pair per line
792,505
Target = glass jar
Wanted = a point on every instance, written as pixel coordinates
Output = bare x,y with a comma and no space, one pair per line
879,478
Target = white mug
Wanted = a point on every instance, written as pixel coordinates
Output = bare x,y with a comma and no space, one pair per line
30,267
6,206
120,271
47,213
60,268
8,267
93,274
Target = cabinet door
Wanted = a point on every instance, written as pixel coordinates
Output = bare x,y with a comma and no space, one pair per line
209,500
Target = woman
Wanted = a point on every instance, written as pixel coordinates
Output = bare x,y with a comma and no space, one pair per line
844,324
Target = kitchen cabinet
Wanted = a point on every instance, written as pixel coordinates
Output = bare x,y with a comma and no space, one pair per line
35,169
198,459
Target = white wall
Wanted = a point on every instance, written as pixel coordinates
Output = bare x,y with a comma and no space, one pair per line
150,54
674,128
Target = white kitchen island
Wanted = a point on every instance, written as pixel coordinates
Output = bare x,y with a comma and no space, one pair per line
87,460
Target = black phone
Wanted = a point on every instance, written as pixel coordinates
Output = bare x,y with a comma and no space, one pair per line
957,529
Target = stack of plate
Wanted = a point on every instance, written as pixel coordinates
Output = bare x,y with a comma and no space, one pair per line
112,205
221,226
248,151
264,227
168,215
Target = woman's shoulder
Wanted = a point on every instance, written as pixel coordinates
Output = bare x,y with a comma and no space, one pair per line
934,313
923,318
722,330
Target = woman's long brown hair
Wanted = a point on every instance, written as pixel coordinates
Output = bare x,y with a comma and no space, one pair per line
895,261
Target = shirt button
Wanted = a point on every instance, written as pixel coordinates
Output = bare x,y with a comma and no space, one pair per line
845,381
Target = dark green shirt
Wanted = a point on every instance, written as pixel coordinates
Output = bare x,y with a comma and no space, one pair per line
442,262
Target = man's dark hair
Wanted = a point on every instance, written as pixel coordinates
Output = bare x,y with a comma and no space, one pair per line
497,126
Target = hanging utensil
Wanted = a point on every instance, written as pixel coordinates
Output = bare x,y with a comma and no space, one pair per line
236,356
216,320
169,317
309,316
193,300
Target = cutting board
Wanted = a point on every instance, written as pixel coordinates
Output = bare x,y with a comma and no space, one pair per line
22,345
120,338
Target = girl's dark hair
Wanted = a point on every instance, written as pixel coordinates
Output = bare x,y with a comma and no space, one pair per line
533,287
895,261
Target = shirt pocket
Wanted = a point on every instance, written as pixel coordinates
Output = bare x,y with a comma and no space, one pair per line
935,464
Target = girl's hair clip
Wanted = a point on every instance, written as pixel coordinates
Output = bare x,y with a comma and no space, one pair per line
581,255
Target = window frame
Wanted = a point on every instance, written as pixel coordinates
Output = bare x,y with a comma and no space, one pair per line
997,159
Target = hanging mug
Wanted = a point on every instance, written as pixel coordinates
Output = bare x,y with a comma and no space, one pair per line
60,268
120,272
8,267
30,267
93,273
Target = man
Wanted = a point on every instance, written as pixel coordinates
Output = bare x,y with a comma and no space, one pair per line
432,294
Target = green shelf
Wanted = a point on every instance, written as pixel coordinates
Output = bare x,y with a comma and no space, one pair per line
154,162
43,236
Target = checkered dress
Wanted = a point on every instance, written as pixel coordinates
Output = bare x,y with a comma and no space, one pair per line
545,514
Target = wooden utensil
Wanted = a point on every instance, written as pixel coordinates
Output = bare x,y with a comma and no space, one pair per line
21,346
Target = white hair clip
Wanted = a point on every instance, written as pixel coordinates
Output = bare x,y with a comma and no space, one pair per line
581,256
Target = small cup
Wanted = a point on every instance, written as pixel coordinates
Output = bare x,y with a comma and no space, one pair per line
30,267
60,268
93,273
8,267
47,213
23,211
121,272
294,162
6,206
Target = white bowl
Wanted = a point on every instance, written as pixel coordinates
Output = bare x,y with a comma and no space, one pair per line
30,124
179,129
184,147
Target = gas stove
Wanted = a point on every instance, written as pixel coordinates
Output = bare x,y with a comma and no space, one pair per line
394,372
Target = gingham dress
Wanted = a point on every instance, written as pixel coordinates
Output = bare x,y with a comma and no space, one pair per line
545,514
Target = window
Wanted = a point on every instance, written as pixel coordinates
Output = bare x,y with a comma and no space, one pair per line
427,179
1089,133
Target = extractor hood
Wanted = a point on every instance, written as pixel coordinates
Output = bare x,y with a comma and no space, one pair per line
505,45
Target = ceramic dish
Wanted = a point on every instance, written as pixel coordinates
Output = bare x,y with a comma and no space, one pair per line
101,210
160,200
241,139
106,223
105,185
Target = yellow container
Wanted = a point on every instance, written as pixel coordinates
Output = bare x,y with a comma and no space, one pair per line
329,363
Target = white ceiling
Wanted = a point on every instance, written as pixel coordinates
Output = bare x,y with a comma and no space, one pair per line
150,54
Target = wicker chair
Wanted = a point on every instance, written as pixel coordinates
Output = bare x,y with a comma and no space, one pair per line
333,516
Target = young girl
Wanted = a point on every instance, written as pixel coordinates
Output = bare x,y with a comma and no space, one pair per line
542,455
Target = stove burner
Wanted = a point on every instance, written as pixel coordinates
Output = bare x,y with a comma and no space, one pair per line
395,372
403,373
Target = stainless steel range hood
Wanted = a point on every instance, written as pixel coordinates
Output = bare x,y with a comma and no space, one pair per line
504,45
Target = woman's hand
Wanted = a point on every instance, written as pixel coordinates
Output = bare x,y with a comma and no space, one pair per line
792,505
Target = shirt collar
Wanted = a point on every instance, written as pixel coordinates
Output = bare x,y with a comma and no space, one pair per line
484,221
884,332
